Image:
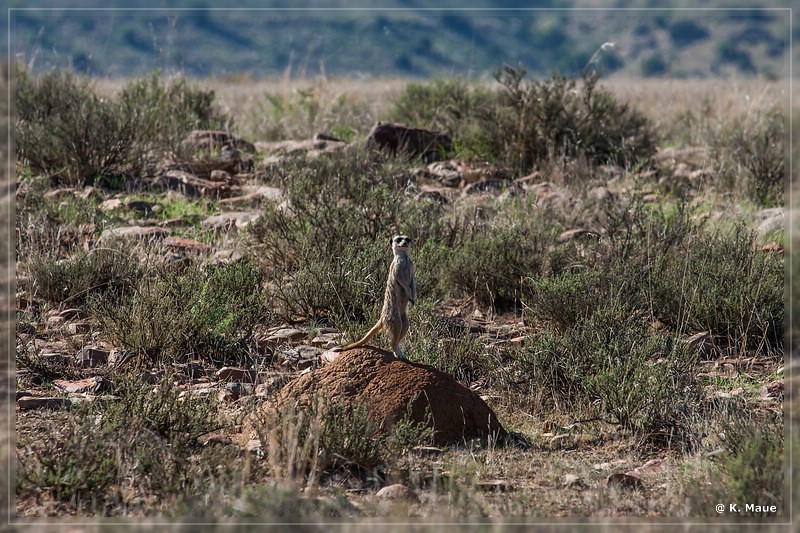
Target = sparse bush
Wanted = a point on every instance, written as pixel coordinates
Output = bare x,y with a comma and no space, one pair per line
492,264
614,367
525,124
102,272
752,153
205,312
102,457
558,118
305,446
65,128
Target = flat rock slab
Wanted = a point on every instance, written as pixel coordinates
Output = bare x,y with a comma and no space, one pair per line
224,221
43,402
134,232
386,384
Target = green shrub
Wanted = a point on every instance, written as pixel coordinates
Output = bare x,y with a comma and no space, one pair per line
557,118
307,445
492,264
612,366
327,247
525,124
754,463
203,313
64,128
102,272
101,458
665,264
752,154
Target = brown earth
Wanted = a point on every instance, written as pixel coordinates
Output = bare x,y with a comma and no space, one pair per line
387,384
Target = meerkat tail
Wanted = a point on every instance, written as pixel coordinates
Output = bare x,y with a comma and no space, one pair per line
371,333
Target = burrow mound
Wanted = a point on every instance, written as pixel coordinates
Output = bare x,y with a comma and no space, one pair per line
386,384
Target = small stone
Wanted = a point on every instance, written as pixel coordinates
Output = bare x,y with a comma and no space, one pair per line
76,328
253,445
571,480
71,314
328,340
134,232
91,357
772,390
57,359
651,467
110,204
229,373
329,356
220,175
397,492
233,219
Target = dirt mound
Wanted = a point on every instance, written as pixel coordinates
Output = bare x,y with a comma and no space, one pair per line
387,384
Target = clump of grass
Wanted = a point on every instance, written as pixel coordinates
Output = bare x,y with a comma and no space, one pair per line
305,447
101,272
752,470
610,366
206,313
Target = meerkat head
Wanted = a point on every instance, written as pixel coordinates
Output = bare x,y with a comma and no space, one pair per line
401,242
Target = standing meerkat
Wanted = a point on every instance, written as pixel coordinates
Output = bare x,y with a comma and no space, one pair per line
400,289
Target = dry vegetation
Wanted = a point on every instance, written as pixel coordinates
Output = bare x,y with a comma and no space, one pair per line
649,342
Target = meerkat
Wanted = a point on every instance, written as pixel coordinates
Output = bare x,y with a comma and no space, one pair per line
400,289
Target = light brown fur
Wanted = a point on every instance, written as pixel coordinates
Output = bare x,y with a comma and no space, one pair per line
400,289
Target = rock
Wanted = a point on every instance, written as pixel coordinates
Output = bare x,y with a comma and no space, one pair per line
772,390
386,384
189,184
768,220
412,141
449,173
142,207
397,492
625,481
221,176
226,221
76,328
651,467
134,232
93,384
110,205
495,186
229,373
286,336
329,356
91,357
43,402
215,140
571,480
22,394
57,359
328,340
311,147
255,194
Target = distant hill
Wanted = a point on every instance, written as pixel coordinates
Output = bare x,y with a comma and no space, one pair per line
407,40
